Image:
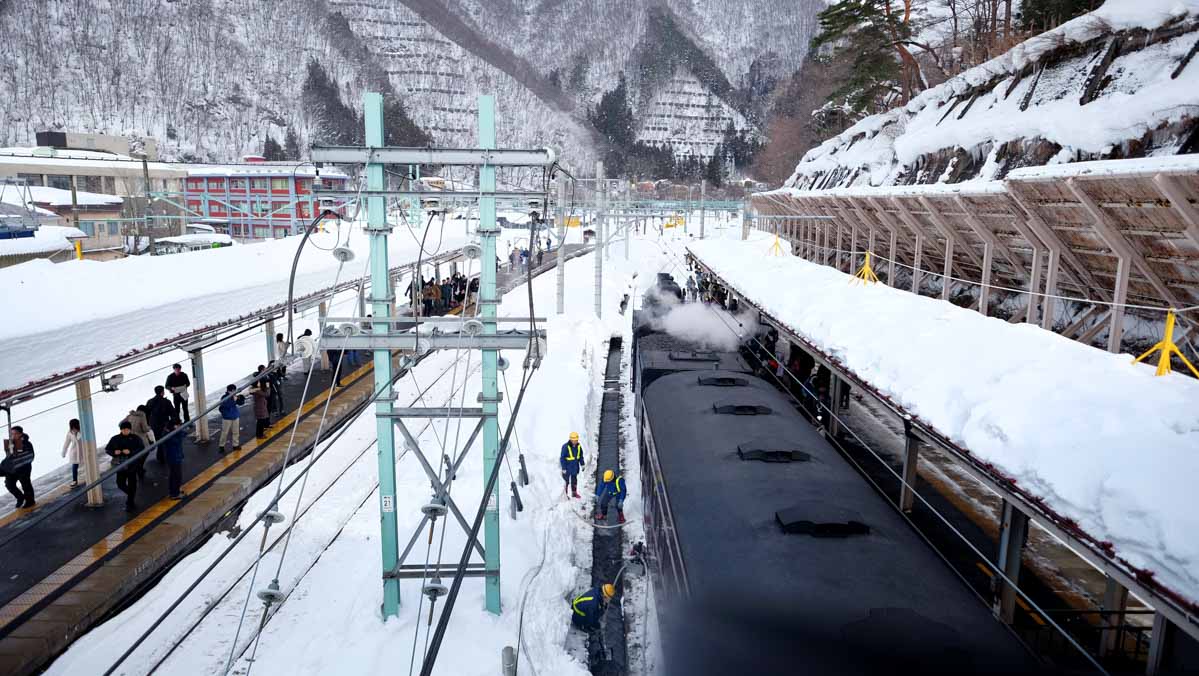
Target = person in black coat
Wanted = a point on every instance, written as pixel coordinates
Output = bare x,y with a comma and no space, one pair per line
177,383
122,447
160,411
18,464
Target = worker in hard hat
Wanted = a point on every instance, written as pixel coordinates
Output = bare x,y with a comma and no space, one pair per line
572,462
587,610
610,490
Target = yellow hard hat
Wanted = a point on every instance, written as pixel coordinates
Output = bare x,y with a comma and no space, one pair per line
574,436
609,474
609,591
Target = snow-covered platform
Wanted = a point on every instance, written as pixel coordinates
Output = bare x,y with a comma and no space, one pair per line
68,318
1095,440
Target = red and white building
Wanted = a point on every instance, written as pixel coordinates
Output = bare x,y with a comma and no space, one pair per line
258,200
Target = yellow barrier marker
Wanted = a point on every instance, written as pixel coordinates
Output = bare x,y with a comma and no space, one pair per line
1167,348
776,249
865,273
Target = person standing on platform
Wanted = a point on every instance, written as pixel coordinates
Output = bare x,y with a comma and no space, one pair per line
691,289
230,418
172,445
139,423
178,383
274,380
122,447
281,352
262,411
306,349
17,466
571,460
159,412
70,450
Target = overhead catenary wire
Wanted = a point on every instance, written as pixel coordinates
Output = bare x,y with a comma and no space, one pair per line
249,527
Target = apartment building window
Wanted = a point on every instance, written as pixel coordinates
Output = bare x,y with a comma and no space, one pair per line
279,184
88,228
59,181
259,184
31,179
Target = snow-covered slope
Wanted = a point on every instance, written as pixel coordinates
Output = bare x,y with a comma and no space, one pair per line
1110,84
212,79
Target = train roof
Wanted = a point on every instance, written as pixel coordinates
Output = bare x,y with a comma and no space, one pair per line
725,509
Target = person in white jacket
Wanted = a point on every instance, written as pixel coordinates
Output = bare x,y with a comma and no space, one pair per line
71,450
306,348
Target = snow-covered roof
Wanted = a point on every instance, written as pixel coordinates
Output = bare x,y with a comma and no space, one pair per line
89,296
57,197
916,190
1117,457
305,169
46,239
1141,166
84,162
198,238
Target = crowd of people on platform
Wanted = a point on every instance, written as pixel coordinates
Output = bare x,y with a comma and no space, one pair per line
158,421
439,297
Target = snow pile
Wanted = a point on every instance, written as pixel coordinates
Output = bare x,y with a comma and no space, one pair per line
1139,97
1102,441
46,239
86,312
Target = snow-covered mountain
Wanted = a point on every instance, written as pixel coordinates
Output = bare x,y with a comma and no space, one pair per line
1118,82
212,79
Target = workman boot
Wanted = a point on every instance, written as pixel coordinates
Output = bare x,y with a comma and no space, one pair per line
620,517
576,494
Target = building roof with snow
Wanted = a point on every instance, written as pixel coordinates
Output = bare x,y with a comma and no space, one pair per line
42,196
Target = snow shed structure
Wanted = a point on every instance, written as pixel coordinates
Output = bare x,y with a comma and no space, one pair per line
1082,245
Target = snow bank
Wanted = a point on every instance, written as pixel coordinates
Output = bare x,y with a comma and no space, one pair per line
1101,440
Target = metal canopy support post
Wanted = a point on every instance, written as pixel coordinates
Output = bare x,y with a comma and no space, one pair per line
490,397
87,441
562,229
1115,602
322,313
703,189
269,329
1116,333
377,227
1055,256
599,235
945,284
1034,285
1013,533
197,358
911,456
1159,642
984,293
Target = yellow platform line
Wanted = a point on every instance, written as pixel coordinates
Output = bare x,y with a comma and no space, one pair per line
151,513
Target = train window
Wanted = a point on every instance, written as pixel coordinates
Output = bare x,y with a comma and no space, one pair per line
772,455
723,381
741,409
